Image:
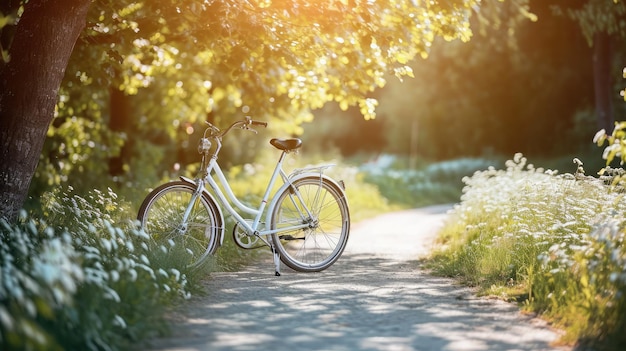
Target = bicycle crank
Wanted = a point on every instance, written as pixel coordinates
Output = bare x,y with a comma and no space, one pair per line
244,240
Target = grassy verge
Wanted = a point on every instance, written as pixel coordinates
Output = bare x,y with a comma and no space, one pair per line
555,243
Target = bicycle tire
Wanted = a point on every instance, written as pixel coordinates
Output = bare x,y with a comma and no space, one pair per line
317,247
161,214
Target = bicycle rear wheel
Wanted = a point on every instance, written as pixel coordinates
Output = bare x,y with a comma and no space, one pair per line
161,216
322,242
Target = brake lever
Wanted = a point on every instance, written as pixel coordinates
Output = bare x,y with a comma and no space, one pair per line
251,129
213,129
247,124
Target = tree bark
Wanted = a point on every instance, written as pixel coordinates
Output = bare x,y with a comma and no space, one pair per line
29,84
602,81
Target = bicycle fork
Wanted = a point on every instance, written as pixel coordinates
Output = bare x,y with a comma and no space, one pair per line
197,193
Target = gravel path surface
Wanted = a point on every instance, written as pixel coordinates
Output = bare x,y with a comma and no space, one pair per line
376,297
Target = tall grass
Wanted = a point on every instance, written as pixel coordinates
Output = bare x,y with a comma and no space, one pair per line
555,242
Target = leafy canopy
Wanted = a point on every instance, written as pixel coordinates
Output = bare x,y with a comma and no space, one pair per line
174,61
281,56
177,60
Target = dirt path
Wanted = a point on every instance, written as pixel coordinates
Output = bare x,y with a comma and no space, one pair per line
375,297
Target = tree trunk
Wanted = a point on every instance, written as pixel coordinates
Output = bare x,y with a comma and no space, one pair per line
119,121
602,81
29,85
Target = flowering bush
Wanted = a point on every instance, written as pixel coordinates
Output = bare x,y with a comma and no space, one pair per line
555,239
92,281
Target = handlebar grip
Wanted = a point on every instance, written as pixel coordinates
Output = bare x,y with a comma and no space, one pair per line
258,123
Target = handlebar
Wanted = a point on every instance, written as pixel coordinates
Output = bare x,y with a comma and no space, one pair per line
243,124
258,123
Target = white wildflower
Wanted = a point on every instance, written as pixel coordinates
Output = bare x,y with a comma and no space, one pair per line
144,259
111,294
5,319
133,274
119,321
106,244
600,134
176,273
115,276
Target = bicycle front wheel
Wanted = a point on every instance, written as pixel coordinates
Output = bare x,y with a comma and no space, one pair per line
161,216
319,204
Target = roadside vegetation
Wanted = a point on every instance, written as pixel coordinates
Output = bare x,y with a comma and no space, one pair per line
553,242
81,276
78,273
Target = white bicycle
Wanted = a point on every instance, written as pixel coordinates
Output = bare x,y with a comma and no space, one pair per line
306,224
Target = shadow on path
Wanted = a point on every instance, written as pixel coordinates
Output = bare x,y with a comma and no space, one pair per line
362,302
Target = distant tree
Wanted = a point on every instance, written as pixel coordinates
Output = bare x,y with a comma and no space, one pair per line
603,23
508,90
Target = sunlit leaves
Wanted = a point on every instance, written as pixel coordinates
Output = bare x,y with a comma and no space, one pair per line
178,60
616,143
309,51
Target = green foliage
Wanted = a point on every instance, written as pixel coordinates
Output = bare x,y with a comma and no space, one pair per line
175,61
91,281
555,240
507,90
596,16
10,13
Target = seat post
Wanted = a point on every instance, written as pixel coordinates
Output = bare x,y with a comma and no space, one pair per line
282,157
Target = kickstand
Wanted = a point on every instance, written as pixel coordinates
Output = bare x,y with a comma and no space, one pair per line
276,262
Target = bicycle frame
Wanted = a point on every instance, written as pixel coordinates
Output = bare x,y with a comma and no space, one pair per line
227,198
227,194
